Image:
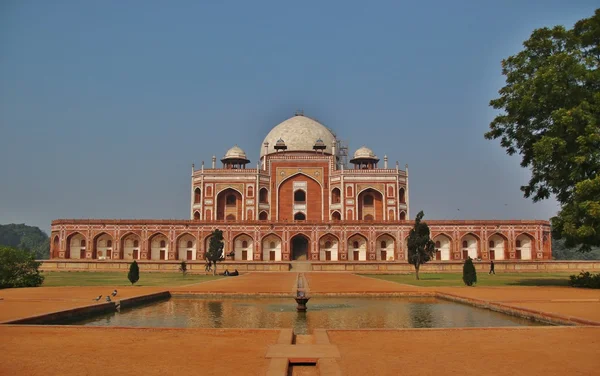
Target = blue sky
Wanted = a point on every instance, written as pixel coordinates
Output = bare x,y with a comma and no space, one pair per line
105,105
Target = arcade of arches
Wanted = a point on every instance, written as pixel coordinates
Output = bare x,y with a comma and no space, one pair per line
299,246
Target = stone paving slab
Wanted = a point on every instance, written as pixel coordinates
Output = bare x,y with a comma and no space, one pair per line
351,283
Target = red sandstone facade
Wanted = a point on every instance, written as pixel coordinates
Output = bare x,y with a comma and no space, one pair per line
298,204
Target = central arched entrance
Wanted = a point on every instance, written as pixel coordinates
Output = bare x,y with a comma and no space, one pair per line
299,249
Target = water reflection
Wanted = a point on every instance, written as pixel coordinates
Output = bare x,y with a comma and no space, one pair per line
330,313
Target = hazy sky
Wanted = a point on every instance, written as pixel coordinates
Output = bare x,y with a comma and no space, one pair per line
105,105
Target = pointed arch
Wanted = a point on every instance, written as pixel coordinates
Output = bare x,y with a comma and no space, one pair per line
443,246
524,246
386,247
102,246
229,204
185,247
300,246
402,216
55,247
263,216
197,195
470,246
370,204
263,196
498,246
329,247
336,216
336,195
76,246
357,245
271,247
159,246
243,247
130,246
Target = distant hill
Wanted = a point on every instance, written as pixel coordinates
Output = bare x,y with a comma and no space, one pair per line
25,237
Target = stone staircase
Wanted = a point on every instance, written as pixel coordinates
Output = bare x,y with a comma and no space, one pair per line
300,266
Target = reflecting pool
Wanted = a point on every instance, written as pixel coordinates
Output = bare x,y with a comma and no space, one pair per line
327,313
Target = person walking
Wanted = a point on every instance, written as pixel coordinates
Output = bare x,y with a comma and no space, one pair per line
492,268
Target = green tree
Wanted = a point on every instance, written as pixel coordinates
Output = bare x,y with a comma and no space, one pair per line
550,117
134,273
214,253
469,272
183,267
420,246
28,238
18,268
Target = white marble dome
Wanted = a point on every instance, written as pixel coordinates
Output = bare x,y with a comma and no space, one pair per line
299,134
235,152
364,152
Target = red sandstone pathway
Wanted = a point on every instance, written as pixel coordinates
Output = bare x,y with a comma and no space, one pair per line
498,351
56,350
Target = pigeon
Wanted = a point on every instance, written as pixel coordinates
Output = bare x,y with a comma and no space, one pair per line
114,293
108,298
98,298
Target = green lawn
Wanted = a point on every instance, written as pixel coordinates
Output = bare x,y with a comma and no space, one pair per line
120,279
483,279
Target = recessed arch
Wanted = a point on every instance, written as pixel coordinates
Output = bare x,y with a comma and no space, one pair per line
229,204
357,247
370,204
498,246
159,246
402,216
76,246
102,246
329,247
443,247
55,246
263,216
186,247
524,246
469,246
336,216
271,247
243,247
299,216
336,195
386,246
196,215
300,247
263,196
130,246
197,195
402,195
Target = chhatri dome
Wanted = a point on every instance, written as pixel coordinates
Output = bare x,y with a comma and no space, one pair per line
299,134
364,152
235,152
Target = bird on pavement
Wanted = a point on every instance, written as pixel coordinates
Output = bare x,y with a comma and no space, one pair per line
98,298
114,293
108,298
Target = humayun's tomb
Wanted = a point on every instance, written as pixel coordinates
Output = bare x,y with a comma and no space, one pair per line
300,203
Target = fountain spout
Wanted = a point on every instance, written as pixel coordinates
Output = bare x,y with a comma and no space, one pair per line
301,298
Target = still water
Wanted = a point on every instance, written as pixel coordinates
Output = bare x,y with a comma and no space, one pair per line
327,313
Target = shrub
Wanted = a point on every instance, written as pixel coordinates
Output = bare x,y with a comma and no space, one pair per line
134,273
585,279
469,273
18,269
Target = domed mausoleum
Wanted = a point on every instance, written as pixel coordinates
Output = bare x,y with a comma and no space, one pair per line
304,201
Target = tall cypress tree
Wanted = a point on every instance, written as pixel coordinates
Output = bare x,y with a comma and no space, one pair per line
134,273
469,272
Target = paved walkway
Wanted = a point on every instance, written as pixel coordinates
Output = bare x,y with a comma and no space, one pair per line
86,350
